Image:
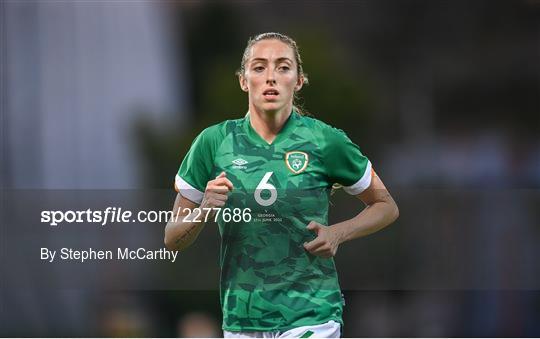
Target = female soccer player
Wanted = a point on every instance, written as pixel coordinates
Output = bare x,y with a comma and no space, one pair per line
270,174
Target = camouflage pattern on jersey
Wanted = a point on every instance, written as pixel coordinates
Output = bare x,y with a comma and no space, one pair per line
268,280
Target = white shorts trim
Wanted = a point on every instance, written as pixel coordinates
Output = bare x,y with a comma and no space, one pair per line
331,329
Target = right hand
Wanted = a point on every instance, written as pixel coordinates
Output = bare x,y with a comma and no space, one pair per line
215,195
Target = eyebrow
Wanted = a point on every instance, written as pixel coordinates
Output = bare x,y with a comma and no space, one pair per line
265,60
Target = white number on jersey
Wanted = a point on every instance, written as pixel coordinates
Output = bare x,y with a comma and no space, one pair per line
265,185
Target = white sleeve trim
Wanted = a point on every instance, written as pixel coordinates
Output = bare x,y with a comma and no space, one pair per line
188,191
361,184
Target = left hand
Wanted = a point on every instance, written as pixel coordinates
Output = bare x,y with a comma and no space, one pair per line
326,243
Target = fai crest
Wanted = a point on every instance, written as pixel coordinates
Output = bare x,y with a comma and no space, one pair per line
296,161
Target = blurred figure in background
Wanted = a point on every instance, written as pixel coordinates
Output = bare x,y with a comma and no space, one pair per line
125,322
198,325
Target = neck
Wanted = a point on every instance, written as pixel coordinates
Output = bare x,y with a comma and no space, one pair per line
268,124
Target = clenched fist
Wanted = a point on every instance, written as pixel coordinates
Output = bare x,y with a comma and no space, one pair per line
215,194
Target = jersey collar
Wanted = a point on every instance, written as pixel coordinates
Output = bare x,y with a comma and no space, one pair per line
283,134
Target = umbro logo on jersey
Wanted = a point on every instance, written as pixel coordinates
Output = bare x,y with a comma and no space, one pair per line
296,161
239,163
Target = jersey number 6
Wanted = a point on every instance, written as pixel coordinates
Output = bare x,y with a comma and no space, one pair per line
265,185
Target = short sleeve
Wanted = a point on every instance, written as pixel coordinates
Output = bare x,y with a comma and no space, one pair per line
196,168
346,165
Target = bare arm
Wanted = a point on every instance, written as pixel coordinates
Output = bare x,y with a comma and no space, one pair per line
380,212
180,234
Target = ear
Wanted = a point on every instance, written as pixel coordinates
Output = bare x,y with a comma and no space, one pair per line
299,83
243,83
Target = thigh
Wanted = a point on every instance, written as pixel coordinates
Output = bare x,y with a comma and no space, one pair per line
331,329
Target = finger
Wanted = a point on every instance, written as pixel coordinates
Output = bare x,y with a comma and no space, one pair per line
217,203
217,189
321,249
323,252
313,226
220,197
223,182
221,175
216,196
314,244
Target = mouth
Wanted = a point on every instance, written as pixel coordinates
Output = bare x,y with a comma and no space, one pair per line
270,93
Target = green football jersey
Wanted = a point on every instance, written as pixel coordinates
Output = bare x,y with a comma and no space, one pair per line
268,280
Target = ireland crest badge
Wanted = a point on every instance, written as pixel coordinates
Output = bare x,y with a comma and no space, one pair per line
296,161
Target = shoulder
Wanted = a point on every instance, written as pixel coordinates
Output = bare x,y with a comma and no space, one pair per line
215,134
221,129
327,134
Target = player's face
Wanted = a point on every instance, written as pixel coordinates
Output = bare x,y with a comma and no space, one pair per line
271,76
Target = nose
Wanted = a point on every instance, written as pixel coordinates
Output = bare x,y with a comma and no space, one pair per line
270,79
